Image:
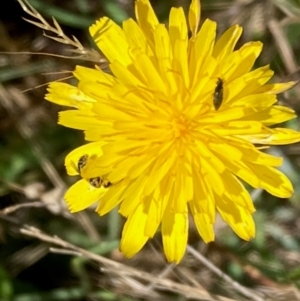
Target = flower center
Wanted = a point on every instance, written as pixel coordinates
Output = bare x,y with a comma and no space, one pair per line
181,126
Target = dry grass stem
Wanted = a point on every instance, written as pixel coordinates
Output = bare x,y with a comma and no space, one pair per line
121,270
241,289
61,37
12,209
46,84
64,252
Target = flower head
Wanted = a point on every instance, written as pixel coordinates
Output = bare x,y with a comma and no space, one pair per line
172,128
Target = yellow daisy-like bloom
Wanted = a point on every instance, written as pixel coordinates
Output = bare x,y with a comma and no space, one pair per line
172,128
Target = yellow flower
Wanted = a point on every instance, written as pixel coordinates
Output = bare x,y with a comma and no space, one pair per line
172,128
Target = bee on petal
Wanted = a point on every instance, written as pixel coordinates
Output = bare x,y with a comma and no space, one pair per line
218,94
82,162
97,182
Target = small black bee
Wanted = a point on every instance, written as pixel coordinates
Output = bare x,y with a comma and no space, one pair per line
98,182
82,162
218,94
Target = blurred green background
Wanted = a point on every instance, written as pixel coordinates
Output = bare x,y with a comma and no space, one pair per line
32,174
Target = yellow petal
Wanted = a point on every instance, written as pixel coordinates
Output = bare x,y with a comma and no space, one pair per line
238,218
150,73
180,60
238,168
186,178
204,226
213,160
125,75
162,167
111,40
220,148
203,201
132,197
240,61
82,195
237,192
276,88
135,37
272,180
90,149
163,50
275,136
93,134
81,120
121,170
155,206
242,150
177,25
175,234
67,95
146,18
94,75
238,127
258,101
229,114
249,83
179,201
204,40
194,16
133,235
111,199
272,115
203,208
226,43
212,177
